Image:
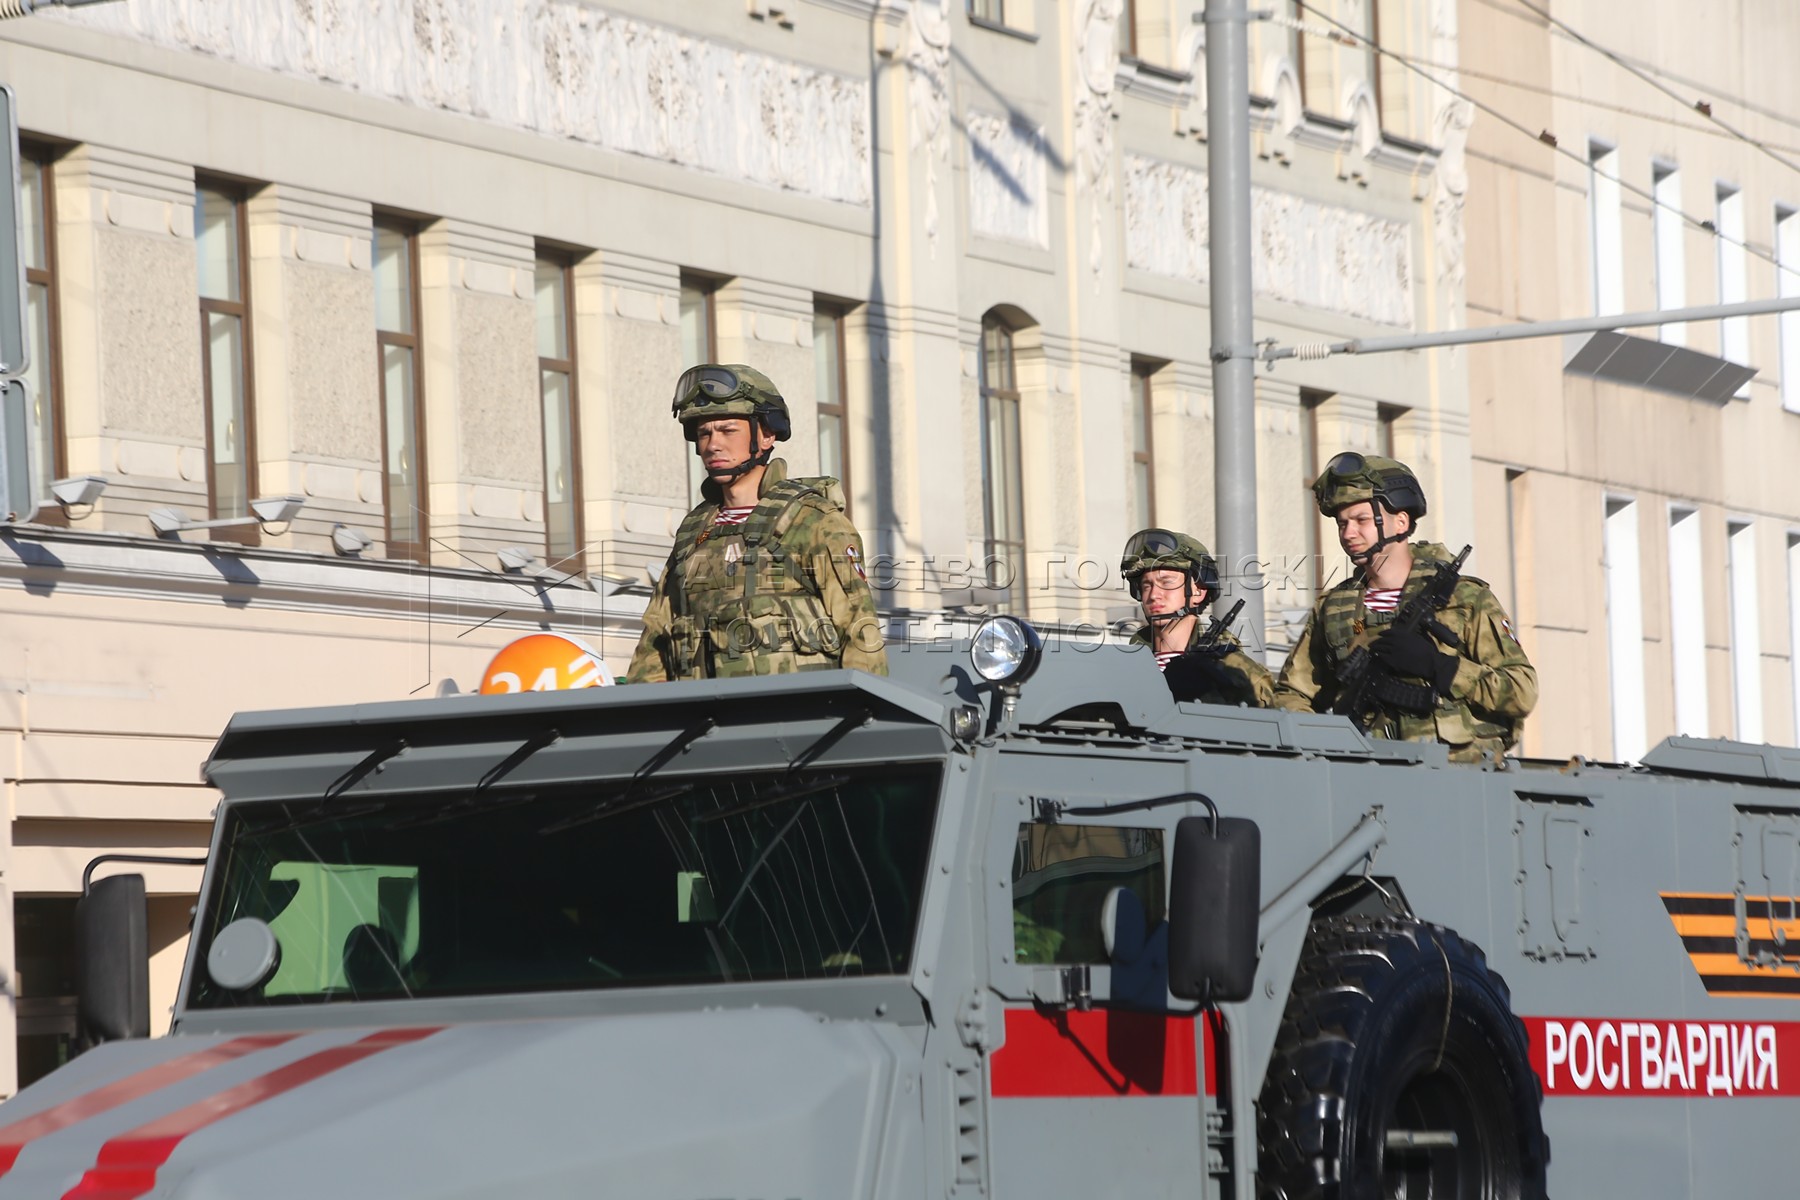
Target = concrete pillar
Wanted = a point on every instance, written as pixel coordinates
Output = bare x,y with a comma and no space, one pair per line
132,398
769,326
633,457
318,407
483,414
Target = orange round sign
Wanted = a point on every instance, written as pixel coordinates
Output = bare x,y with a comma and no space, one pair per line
544,662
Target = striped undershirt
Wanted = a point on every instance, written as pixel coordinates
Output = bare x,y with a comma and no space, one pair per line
1165,657
734,516
1381,600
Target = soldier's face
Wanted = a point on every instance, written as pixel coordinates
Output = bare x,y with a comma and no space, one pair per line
1164,590
727,441
1356,527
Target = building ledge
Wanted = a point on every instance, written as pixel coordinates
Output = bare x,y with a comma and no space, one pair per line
996,27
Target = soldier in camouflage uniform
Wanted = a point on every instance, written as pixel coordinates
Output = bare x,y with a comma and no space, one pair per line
767,573
1174,578
1483,687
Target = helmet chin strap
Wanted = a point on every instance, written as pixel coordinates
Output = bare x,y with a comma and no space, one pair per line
1383,539
1186,610
727,474
759,458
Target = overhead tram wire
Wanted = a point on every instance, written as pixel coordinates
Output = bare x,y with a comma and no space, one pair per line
1703,107
1346,34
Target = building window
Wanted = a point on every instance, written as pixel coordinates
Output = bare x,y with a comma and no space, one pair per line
1666,225
1687,622
1734,332
396,262
219,237
44,979
1793,580
699,344
1310,466
1127,29
988,10
1746,630
1002,484
1143,455
1787,286
829,383
1387,419
1625,628
1371,55
1603,212
1296,35
42,379
556,381
1515,485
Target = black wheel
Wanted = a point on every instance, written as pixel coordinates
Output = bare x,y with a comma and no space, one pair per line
1379,1088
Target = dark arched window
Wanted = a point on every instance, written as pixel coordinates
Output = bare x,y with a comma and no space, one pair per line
1002,489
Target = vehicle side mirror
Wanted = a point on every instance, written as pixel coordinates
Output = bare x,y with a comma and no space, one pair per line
112,961
1215,897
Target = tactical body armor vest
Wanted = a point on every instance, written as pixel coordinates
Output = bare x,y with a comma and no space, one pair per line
1345,623
745,602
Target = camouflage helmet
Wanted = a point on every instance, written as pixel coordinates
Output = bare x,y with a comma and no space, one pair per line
1351,477
1162,549
711,390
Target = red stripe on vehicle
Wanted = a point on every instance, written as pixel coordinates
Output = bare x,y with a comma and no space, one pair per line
1610,1056
15,1137
1097,1053
127,1165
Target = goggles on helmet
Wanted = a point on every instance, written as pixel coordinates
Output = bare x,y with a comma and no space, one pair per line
1347,465
1153,543
712,382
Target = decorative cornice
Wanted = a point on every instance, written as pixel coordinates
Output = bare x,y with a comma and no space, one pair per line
1156,85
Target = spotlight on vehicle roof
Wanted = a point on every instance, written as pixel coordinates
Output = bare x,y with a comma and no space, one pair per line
1005,650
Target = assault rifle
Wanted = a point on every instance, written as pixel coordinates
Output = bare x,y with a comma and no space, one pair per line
1214,638
1365,690
1200,672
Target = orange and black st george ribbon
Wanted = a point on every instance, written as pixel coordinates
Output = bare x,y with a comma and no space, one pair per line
1768,962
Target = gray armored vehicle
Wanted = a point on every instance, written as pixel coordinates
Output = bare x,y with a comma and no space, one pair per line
1006,924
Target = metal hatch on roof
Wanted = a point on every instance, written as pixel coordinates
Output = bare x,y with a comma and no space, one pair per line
1716,758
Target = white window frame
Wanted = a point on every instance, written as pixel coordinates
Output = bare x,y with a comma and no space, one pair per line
1669,232
1734,282
1625,627
1605,229
1793,582
1687,621
1787,286
1746,630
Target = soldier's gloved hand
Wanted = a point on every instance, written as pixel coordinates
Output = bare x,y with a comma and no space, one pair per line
1199,675
1415,654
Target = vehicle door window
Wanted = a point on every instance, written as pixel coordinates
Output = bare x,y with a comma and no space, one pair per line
1061,876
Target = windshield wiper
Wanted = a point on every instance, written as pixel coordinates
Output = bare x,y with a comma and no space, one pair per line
631,799
832,737
783,789
323,809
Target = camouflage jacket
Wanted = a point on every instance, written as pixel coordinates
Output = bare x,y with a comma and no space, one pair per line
785,591
1495,686
1257,680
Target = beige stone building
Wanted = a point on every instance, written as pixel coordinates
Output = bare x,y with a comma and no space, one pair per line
432,266
1652,539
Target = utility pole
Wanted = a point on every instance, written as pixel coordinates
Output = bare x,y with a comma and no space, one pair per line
1233,352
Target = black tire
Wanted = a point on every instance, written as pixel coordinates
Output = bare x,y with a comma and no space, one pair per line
1365,1049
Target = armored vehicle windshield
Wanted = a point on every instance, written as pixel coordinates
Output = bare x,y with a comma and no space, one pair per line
676,880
